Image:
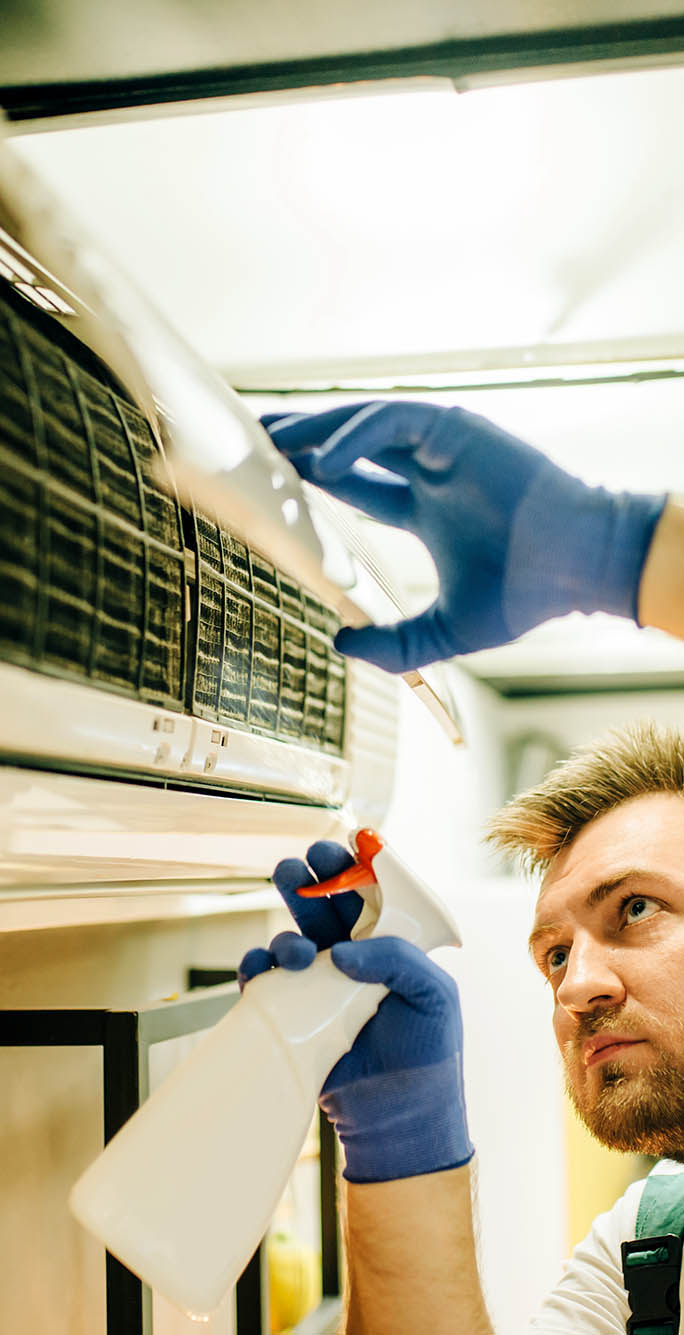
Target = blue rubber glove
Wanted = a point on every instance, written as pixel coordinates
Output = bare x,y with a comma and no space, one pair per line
514,538
396,1098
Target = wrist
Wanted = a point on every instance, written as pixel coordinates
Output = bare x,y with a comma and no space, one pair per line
402,1124
412,1261
661,590
622,550
593,544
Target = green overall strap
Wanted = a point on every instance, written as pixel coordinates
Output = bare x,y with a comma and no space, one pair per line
651,1264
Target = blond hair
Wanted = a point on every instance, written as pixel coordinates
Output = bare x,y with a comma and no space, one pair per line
625,763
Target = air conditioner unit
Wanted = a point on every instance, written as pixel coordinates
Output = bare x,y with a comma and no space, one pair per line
173,707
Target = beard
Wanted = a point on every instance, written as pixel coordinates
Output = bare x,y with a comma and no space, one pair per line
640,1111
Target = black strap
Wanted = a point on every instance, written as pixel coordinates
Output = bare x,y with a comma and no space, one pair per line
651,1268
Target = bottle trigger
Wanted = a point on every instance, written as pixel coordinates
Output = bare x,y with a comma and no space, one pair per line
367,844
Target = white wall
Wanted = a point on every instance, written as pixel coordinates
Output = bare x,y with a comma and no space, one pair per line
514,1097
576,719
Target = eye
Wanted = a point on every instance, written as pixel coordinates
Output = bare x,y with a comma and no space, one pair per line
636,907
556,959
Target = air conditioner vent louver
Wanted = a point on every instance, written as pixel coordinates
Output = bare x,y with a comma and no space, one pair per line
252,617
93,561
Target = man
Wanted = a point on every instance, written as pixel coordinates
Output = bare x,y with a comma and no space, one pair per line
606,829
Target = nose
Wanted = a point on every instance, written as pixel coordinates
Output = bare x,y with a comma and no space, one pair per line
591,980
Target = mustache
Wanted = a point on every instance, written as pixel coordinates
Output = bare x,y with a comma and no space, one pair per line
602,1022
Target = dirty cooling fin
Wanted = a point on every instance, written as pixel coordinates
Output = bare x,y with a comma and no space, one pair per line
106,580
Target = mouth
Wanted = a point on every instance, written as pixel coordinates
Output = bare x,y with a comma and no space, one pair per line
609,1047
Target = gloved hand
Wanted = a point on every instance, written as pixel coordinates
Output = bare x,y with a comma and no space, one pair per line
515,539
396,1098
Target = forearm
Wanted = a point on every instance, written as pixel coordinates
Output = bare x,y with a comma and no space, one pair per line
661,590
411,1257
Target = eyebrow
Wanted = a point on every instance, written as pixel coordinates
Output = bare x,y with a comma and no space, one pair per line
595,897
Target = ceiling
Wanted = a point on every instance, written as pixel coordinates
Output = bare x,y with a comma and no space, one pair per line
343,237
236,45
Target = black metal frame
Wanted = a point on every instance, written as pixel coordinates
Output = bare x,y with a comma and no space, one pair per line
126,1037
627,42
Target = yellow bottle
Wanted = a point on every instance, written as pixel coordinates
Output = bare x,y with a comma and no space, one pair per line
294,1280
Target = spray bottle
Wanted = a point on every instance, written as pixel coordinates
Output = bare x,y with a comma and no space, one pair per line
186,1189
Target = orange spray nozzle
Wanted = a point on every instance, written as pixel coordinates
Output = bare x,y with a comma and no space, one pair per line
368,843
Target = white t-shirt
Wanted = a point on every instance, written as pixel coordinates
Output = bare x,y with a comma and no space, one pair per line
590,1298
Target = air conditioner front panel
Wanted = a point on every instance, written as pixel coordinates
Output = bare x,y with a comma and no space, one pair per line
173,707
58,724
108,582
60,830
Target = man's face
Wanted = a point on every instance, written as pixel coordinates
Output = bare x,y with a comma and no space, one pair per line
612,947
